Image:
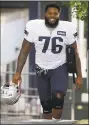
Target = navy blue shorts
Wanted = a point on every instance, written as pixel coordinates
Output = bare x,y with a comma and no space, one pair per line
51,81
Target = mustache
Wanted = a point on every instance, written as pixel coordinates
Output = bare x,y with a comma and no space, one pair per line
51,25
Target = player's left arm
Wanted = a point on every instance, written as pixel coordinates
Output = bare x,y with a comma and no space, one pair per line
78,66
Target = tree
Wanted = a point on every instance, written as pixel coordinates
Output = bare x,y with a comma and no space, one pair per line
80,7
82,12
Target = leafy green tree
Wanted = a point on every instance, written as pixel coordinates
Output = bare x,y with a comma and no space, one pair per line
80,7
82,12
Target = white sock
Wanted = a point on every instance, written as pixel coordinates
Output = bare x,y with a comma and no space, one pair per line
55,119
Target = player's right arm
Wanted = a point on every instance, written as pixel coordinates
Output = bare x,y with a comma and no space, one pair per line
25,49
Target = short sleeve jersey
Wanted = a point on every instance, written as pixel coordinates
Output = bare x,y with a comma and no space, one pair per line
50,43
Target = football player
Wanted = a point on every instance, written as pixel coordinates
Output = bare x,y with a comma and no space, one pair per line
50,37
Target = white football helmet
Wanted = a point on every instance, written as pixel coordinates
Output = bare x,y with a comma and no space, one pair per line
10,93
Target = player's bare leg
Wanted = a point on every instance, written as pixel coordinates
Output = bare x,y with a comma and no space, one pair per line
57,111
47,116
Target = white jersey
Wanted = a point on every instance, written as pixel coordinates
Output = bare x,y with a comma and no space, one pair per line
50,44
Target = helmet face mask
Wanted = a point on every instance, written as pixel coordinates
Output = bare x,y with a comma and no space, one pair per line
10,93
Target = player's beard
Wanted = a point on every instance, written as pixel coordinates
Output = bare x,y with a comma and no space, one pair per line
51,25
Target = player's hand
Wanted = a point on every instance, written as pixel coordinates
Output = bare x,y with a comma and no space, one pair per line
17,78
78,82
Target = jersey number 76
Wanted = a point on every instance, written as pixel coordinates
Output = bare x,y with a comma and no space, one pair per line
54,45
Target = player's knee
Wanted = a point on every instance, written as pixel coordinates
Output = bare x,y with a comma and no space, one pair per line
58,101
47,106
